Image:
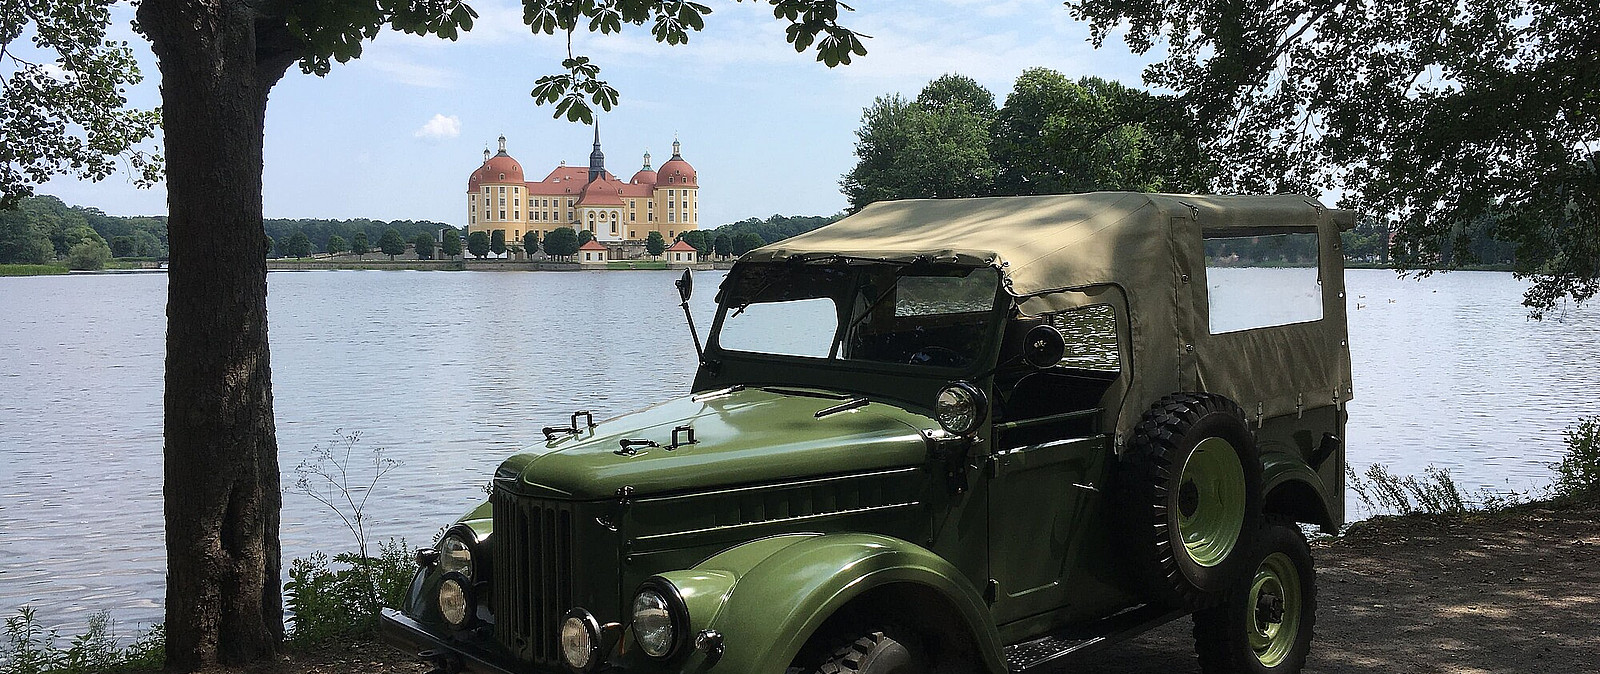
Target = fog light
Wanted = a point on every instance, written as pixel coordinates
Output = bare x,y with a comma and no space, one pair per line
455,605
580,640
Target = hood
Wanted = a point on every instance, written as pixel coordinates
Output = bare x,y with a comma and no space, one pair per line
743,436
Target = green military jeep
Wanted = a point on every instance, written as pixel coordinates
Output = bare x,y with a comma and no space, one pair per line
941,436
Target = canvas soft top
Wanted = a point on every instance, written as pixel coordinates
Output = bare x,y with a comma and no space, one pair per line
1063,251
1046,243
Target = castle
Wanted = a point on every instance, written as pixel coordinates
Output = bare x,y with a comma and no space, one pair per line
619,214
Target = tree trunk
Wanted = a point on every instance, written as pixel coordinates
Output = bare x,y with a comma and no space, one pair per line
221,491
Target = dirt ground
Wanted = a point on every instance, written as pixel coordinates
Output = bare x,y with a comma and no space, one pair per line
1515,592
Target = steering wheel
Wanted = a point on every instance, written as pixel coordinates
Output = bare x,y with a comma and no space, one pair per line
938,356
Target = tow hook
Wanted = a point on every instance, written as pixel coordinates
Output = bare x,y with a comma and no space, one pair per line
443,662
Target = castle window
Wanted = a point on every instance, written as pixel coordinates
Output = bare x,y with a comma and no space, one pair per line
632,216
650,217
672,193
502,187
633,234
502,177
613,229
672,217
502,215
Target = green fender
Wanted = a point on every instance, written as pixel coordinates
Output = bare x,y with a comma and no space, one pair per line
1292,488
767,597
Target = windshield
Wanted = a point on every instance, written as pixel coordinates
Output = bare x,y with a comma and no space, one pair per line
920,315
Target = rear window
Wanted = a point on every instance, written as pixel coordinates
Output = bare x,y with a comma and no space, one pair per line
1262,281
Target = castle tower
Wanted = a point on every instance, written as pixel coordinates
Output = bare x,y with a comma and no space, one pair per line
597,159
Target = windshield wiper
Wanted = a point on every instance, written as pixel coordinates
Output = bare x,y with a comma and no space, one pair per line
804,393
842,407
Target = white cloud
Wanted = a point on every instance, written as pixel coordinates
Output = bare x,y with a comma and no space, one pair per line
440,128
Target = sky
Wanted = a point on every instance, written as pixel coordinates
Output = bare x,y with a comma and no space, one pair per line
394,134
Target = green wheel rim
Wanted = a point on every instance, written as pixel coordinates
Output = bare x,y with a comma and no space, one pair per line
1211,497
1274,611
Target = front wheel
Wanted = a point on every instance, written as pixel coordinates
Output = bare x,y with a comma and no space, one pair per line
881,649
1264,624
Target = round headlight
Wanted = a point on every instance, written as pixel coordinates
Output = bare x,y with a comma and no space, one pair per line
960,407
454,605
455,556
655,624
580,639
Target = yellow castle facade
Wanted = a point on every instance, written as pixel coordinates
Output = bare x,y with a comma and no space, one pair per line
618,213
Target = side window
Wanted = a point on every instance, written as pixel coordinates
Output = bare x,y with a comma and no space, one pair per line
1091,334
1262,281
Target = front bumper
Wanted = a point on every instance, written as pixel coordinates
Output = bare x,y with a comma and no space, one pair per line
450,655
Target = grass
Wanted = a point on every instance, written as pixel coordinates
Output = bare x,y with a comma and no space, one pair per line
636,264
30,269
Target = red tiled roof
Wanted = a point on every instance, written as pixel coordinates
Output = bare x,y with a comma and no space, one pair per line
644,177
602,192
676,172
682,245
591,244
500,168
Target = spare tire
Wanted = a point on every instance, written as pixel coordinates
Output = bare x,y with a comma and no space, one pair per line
1190,489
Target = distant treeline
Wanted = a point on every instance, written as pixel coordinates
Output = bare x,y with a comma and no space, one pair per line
43,229
320,232
1366,244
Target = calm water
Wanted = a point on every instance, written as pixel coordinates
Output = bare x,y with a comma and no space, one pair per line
451,372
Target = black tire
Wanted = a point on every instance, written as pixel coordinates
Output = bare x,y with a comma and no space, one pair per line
884,650
1223,634
1162,504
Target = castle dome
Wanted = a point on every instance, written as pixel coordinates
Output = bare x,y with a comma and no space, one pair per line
498,169
676,171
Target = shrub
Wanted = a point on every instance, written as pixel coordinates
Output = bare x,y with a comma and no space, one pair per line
30,648
1578,473
336,599
89,255
1436,493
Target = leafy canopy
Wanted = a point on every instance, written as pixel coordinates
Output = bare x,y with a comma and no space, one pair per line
62,98
1426,114
1053,135
478,244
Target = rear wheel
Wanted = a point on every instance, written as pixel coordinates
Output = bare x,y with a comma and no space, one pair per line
1190,486
1265,624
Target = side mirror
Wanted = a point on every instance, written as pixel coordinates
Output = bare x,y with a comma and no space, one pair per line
685,286
1043,346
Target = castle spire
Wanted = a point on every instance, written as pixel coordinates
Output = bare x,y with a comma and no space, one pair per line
597,159
646,161
676,147
502,143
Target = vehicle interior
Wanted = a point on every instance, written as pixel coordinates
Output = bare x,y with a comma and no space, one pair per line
1035,405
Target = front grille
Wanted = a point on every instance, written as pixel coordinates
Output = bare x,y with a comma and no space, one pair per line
532,574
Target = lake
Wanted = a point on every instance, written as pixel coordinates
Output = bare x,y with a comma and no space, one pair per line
452,372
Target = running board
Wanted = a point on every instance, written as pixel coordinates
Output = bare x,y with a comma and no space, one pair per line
1050,649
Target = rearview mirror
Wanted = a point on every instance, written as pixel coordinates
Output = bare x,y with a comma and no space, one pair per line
685,286
1043,346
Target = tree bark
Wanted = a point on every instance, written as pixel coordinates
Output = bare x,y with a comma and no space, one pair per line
221,491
